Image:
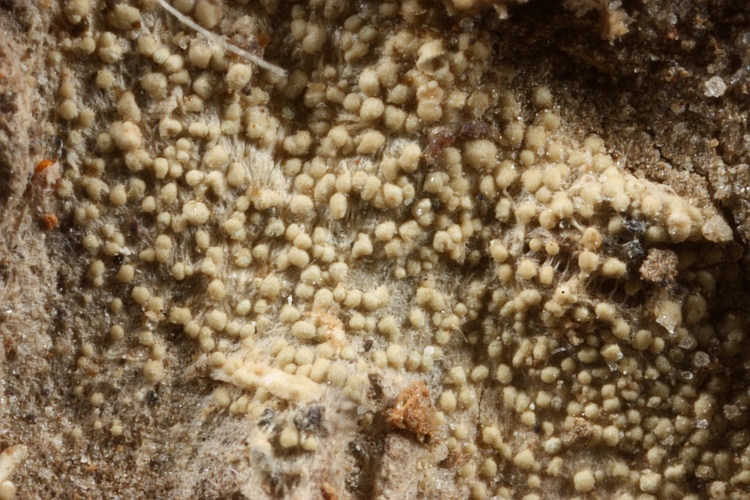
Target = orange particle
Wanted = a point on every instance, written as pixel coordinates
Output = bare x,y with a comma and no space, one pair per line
49,221
44,164
414,412
327,492
263,39
46,173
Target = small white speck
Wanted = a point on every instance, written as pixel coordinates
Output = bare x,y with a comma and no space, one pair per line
700,423
715,87
701,359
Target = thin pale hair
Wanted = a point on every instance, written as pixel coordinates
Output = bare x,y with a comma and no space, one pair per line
258,61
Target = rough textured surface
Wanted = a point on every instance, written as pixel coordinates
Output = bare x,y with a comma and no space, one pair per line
461,248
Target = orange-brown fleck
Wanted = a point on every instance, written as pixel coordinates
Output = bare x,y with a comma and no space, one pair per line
49,221
414,412
46,174
327,492
44,164
263,39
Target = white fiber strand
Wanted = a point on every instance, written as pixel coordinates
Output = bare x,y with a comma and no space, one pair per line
217,39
